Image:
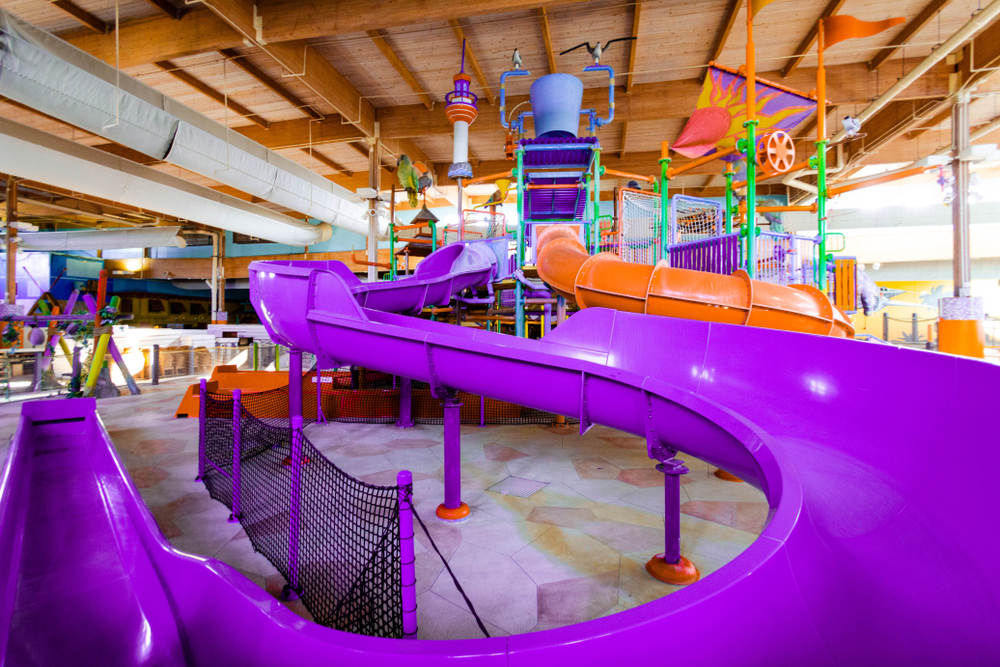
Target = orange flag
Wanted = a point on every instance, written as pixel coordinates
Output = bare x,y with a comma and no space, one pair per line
757,5
838,28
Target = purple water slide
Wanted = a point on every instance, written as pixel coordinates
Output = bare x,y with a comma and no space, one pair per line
873,554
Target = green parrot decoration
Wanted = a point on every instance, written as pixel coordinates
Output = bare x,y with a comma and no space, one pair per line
409,179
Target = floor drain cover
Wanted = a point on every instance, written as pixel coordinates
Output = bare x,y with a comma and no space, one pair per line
517,486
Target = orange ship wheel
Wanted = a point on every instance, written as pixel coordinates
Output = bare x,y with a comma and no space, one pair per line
776,153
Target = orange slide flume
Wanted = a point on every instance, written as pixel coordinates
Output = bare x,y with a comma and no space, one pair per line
606,281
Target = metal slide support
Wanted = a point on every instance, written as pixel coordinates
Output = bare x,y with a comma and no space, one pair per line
291,589
405,419
453,509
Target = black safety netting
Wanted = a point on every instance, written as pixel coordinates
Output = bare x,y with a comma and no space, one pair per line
334,538
360,395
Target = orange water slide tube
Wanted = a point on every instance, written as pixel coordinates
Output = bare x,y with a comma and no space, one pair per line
605,281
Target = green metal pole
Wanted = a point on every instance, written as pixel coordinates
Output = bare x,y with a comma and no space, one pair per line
729,200
596,237
664,204
518,287
277,357
821,212
434,236
256,356
392,251
750,228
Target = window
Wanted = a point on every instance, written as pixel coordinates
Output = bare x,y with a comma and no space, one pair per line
197,239
197,308
155,306
125,307
246,238
177,308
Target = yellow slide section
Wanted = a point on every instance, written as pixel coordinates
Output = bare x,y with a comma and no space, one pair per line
605,281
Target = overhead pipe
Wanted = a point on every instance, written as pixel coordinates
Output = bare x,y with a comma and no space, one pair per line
112,239
31,154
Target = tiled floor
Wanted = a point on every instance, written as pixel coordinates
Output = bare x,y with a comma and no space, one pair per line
573,551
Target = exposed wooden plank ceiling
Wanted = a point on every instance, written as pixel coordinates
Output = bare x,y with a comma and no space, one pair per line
321,74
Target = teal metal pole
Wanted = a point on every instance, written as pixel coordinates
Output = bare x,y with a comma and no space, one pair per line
750,228
392,251
518,287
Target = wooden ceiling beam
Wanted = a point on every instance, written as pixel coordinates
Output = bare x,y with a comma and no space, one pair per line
302,133
633,47
470,55
83,16
894,120
846,85
305,19
550,55
727,27
908,31
621,153
378,37
810,127
319,157
831,9
168,9
208,91
284,93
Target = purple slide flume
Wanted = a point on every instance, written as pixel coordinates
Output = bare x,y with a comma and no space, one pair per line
872,555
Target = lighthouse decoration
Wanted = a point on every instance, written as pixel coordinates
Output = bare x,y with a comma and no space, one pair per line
460,108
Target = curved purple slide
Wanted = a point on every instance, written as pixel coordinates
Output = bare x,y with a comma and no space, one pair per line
872,554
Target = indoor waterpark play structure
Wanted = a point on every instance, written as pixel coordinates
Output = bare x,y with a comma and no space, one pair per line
675,319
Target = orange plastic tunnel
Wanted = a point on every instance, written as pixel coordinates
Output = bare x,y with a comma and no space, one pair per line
605,280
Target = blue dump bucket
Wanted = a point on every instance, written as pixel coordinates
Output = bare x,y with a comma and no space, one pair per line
555,102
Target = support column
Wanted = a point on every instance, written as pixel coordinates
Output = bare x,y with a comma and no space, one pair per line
405,419
671,567
560,310
960,329
154,363
453,509
202,416
375,183
407,559
294,384
11,284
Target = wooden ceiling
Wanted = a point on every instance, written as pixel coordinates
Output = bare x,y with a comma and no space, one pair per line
313,81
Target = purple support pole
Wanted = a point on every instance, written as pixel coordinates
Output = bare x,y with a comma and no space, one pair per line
405,419
290,590
482,411
320,417
453,509
670,566
237,476
407,559
546,319
202,397
295,385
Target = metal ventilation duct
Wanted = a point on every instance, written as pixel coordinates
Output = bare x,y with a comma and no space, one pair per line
38,156
112,239
45,73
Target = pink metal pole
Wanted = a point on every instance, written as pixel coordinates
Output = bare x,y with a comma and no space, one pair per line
202,397
294,383
290,591
236,480
453,509
407,559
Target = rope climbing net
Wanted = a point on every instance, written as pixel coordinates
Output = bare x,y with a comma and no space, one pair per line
638,226
334,538
694,219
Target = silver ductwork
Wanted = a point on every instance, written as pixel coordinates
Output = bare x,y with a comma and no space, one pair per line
51,76
111,239
34,155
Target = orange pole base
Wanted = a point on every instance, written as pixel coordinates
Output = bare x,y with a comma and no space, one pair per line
680,573
726,476
452,514
964,337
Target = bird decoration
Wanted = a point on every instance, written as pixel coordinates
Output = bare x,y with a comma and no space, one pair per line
499,196
515,60
409,179
597,51
851,126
